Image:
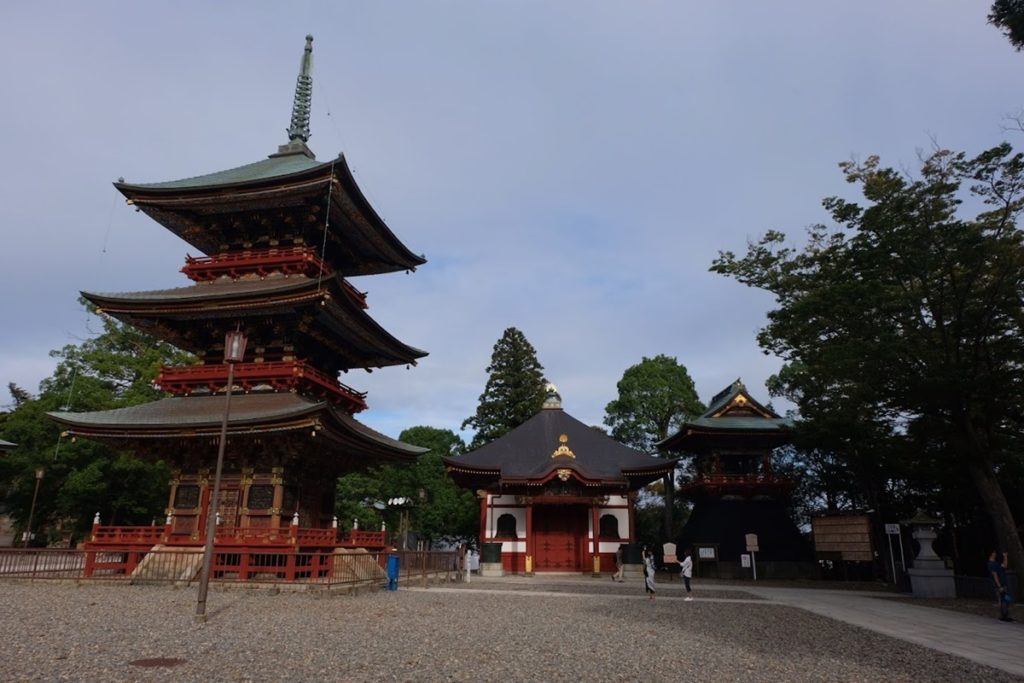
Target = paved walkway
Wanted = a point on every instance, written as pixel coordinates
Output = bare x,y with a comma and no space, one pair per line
980,639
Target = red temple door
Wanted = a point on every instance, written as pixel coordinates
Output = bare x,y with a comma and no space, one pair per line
560,537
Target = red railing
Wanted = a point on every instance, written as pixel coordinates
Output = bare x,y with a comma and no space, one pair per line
279,375
263,262
144,537
127,535
746,481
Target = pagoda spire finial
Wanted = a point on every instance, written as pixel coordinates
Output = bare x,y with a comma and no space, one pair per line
299,130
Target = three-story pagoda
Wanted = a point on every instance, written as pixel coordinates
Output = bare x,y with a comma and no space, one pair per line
278,238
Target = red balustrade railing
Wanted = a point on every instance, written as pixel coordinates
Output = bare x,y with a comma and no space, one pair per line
290,535
264,262
278,375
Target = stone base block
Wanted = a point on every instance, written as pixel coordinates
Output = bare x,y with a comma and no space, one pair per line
932,583
492,569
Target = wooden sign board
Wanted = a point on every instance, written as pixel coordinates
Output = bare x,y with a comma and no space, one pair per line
848,535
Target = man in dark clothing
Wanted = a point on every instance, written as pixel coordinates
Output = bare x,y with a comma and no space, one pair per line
997,572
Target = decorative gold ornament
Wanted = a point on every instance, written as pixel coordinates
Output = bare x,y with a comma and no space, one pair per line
564,473
563,450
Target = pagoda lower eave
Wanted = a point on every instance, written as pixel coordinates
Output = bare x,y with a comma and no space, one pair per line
332,433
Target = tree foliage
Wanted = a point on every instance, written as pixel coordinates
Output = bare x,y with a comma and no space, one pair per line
439,510
515,389
114,369
1008,16
655,397
900,327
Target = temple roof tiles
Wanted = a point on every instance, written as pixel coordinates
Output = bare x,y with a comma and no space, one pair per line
275,167
551,440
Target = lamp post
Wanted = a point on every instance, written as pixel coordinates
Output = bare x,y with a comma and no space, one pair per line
234,351
32,510
402,504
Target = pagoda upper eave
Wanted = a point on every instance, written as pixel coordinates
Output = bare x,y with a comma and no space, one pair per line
305,312
271,202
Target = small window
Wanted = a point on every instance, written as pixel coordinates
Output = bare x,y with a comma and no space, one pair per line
507,526
609,526
261,497
186,497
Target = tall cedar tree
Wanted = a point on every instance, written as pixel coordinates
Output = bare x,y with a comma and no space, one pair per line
912,314
1008,15
515,389
655,397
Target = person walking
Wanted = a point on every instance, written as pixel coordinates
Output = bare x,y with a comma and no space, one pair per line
619,566
687,573
649,572
997,562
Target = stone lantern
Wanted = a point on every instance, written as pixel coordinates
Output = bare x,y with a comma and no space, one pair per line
929,577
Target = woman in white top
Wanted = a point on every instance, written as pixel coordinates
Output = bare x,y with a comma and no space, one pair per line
687,573
649,572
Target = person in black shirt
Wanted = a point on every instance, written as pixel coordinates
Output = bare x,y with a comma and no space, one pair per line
997,572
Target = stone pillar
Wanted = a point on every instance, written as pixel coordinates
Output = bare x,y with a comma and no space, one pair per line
929,577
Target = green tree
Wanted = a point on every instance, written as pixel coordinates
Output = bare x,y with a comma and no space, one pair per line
911,313
112,370
443,510
515,389
1008,15
655,397
439,509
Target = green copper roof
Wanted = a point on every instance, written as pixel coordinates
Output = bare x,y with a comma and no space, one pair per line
741,423
274,167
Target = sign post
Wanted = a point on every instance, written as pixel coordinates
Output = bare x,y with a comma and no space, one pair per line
890,531
752,548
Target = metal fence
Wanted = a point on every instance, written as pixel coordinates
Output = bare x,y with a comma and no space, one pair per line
182,565
982,588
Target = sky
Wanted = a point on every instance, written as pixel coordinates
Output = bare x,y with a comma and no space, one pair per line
568,168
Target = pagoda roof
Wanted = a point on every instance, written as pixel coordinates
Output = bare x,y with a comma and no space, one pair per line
281,197
7,445
349,336
733,416
255,414
276,167
553,440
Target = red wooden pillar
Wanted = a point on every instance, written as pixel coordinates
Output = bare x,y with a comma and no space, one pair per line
596,538
529,538
632,518
485,501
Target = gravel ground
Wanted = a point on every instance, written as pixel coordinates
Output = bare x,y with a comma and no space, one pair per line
59,632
